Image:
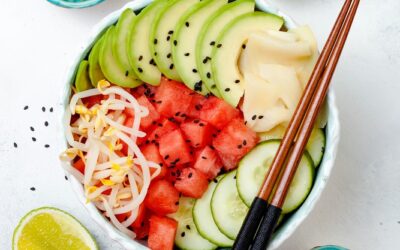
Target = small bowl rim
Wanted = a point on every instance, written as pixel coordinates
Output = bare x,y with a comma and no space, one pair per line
287,229
75,5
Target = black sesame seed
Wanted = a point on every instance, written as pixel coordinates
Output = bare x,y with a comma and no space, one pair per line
175,42
170,32
177,113
198,107
212,147
33,139
26,107
51,109
245,123
260,117
169,55
66,178
187,24
187,227
219,46
46,145
197,144
32,129
234,177
187,54
244,46
155,41
215,181
166,157
212,43
198,85
140,58
126,73
201,124
171,66
205,60
46,123
168,38
254,117
237,81
140,70
209,75
227,89
204,158
15,145
239,146
213,86
155,53
196,121
177,203
183,115
244,142
32,188
190,175
43,109
183,234
188,141
194,70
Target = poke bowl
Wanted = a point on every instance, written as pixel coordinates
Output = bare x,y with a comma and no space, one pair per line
179,98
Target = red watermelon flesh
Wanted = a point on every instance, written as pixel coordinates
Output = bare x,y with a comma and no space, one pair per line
162,233
162,197
217,112
174,149
197,133
196,105
208,162
152,153
192,183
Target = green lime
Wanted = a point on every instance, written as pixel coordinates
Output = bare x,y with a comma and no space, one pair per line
50,228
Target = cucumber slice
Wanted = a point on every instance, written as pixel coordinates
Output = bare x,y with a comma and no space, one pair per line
316,146
254,166
111,68
121,38
227,208
139,53
95,73
82,80
204,221
187,236
162,29
209,34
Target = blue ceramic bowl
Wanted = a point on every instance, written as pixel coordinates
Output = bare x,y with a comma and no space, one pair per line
75,3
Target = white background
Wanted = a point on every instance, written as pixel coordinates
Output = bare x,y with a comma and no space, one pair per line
360,208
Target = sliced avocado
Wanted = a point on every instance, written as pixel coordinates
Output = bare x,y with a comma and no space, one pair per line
82,80
95,72
140,56
162,30
113,71
209,34
120,40
184,42
228,47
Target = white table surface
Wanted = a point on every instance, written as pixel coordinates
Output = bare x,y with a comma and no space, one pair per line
359,209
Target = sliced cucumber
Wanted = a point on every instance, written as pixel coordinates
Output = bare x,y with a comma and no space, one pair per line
121,39
162,29
111,68
316,145
204,221
254,166
187,236
95,72
139,53
227,208
82,80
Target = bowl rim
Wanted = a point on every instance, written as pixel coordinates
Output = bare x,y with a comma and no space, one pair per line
77,5
292,223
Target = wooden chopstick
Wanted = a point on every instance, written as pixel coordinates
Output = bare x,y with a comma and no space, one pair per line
292,147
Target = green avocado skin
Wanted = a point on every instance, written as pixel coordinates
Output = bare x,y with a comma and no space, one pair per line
82,80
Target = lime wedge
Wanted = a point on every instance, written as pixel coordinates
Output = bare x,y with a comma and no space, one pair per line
51,228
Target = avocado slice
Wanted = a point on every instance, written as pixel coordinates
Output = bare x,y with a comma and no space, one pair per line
227,50
162,30
184,42
95,72
209,34
120,40
113,71
139,53
82,80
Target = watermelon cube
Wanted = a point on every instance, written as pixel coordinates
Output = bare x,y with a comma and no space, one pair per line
161,128
208,162
217,112
197,133
196,105
174,150
162,197
139,219
233,142
147,90
192,183
173,100
152,153
162,233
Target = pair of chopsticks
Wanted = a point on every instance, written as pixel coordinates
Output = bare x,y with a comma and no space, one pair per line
266,208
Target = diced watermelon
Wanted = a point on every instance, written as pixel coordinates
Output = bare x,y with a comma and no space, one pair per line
233,142
217,112
147,90
162,233
142,231
196,105
192,183
208,162
152,153
174,149
79,165
148,120
173,100
197,133
160,129
139,219
162,197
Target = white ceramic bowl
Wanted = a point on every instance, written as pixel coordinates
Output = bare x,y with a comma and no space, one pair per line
290,225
